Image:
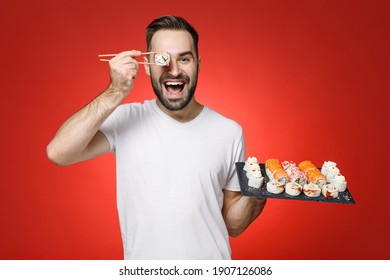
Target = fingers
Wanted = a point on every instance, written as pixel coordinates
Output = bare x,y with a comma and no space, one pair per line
126,57
133,53
124,69
123,66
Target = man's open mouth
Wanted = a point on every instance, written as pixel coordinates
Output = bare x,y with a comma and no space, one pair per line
174,89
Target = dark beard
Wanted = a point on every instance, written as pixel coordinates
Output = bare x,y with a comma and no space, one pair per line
158,91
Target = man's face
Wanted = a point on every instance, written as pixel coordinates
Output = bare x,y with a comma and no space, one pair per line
175,85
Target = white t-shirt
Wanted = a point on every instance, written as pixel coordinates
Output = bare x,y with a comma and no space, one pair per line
170,177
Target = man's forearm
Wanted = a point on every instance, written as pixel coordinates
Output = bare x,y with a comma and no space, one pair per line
241,212
75,134
70,143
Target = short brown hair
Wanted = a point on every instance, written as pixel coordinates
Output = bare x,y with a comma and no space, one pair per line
170,23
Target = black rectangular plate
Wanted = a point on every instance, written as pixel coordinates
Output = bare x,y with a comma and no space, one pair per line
344,197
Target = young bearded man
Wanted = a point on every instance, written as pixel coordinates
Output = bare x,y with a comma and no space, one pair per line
177,189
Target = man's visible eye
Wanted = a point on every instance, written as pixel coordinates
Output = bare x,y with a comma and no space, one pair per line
184,59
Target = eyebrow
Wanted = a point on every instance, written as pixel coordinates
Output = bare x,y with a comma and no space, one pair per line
185,53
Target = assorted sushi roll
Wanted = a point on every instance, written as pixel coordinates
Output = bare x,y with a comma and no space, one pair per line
327,166
312,190
333,175
296,175
312,173
305,178
250,162
253,173
339,182
330,191
293,188
275,171
255,179
275,187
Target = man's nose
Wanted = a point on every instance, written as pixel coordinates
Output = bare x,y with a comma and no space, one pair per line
174,68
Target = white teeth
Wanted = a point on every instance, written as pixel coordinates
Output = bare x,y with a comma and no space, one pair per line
173,83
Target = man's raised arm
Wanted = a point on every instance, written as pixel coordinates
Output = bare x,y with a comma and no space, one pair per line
79,138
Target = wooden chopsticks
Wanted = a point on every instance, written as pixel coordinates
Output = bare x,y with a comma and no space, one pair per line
114,54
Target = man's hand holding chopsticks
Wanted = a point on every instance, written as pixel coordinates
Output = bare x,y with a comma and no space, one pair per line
123,70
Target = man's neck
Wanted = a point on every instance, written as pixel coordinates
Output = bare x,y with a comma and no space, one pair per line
188,113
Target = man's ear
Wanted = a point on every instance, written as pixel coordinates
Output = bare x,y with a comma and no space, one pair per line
199,60
147,67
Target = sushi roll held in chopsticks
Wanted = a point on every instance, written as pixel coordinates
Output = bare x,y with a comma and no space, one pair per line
162,59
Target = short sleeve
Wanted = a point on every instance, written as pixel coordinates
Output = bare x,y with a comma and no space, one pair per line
111,126
238,155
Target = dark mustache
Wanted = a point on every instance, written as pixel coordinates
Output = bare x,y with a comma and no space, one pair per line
172,77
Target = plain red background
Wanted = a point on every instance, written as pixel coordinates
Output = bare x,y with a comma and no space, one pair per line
305,79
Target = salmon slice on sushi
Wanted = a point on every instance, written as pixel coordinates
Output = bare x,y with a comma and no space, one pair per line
276,172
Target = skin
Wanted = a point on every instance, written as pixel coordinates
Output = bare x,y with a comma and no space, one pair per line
79,138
